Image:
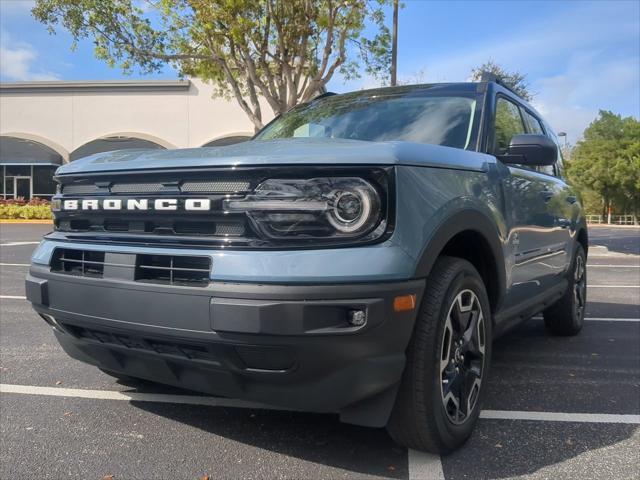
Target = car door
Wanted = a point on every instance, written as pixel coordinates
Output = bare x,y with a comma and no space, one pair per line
560,203
528,195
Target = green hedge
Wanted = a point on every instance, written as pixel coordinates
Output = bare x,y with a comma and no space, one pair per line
35,209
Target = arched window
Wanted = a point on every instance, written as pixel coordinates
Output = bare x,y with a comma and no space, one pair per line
27,168
220,142
111,143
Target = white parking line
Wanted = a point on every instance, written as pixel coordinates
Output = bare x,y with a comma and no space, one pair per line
612,266
12,297
129,396
17,244
560,417
602,319
424,466
14,265
613,286
227,402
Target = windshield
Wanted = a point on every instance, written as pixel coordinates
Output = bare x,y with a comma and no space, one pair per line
438,120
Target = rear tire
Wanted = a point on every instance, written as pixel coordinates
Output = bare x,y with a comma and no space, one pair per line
448,357
566,316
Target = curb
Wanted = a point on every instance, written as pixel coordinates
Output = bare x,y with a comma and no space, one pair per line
25,221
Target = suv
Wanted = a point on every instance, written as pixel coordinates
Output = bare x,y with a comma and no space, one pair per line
357,256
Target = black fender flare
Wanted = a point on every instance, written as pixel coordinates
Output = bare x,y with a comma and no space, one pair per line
461,221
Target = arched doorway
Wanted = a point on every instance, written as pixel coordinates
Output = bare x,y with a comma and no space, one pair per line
108,144
27,168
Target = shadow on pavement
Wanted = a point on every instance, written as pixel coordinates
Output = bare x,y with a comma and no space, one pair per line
314,438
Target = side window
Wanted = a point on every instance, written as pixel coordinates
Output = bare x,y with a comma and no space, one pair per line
533,124
559,166
507,124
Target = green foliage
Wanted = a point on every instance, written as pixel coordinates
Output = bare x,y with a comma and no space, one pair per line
282,50
607,162
34,210
516,81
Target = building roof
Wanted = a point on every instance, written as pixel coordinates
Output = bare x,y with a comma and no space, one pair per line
94,86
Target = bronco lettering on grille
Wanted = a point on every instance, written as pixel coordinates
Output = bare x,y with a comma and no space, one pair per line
187,204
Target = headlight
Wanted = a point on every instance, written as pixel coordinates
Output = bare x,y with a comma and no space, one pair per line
315,208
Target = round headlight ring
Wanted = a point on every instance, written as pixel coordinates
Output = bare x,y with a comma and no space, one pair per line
343,221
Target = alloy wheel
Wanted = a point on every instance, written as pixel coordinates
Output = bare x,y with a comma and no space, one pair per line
462,357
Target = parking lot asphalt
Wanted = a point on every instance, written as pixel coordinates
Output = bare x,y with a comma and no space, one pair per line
556,407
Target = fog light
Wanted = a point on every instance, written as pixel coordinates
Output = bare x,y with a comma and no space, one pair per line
357,318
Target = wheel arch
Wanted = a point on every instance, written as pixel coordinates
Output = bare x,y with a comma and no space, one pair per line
472,236
582,238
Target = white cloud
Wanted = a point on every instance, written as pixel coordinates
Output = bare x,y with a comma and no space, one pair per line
18,61
573,63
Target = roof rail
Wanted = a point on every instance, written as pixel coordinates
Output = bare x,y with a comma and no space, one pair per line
492,77
323,95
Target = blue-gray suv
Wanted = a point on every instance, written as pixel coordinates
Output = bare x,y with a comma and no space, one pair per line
357,256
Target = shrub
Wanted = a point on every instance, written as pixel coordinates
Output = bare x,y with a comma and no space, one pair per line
36,209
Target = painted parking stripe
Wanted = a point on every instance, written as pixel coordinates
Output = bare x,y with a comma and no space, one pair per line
424,466
595,265
613,286
17,244
225,402
12,297
130,396
602,319
560,417
14,265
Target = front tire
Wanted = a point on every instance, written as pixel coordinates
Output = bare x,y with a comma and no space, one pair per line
439,399
566,316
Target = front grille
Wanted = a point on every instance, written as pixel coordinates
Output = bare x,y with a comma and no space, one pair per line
83,263
245,357
186,208
215,187
212,226
173,270
222,228
136,188
187,186
184,270
187,350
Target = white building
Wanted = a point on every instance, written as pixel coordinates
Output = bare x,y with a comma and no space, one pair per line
46,124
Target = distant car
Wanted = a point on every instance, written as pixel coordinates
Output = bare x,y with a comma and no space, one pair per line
357,256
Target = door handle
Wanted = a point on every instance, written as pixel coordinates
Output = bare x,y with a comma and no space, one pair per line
571,199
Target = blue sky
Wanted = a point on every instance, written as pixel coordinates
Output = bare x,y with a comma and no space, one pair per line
579,56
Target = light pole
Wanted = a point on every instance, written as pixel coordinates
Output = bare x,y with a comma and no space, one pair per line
563,134
394,44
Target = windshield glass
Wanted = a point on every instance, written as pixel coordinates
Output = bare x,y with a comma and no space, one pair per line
438,120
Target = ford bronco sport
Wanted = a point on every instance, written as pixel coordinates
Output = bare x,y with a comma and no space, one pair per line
357,256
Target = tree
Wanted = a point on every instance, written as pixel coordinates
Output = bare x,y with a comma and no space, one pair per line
515,80
284,51
607,161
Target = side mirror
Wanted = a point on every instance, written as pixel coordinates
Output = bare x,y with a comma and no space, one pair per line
528,149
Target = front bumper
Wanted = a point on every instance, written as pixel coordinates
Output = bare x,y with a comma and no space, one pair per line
284,345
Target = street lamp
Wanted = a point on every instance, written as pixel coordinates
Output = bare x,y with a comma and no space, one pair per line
563,134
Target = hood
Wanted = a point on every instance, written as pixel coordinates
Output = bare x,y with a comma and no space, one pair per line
300,151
